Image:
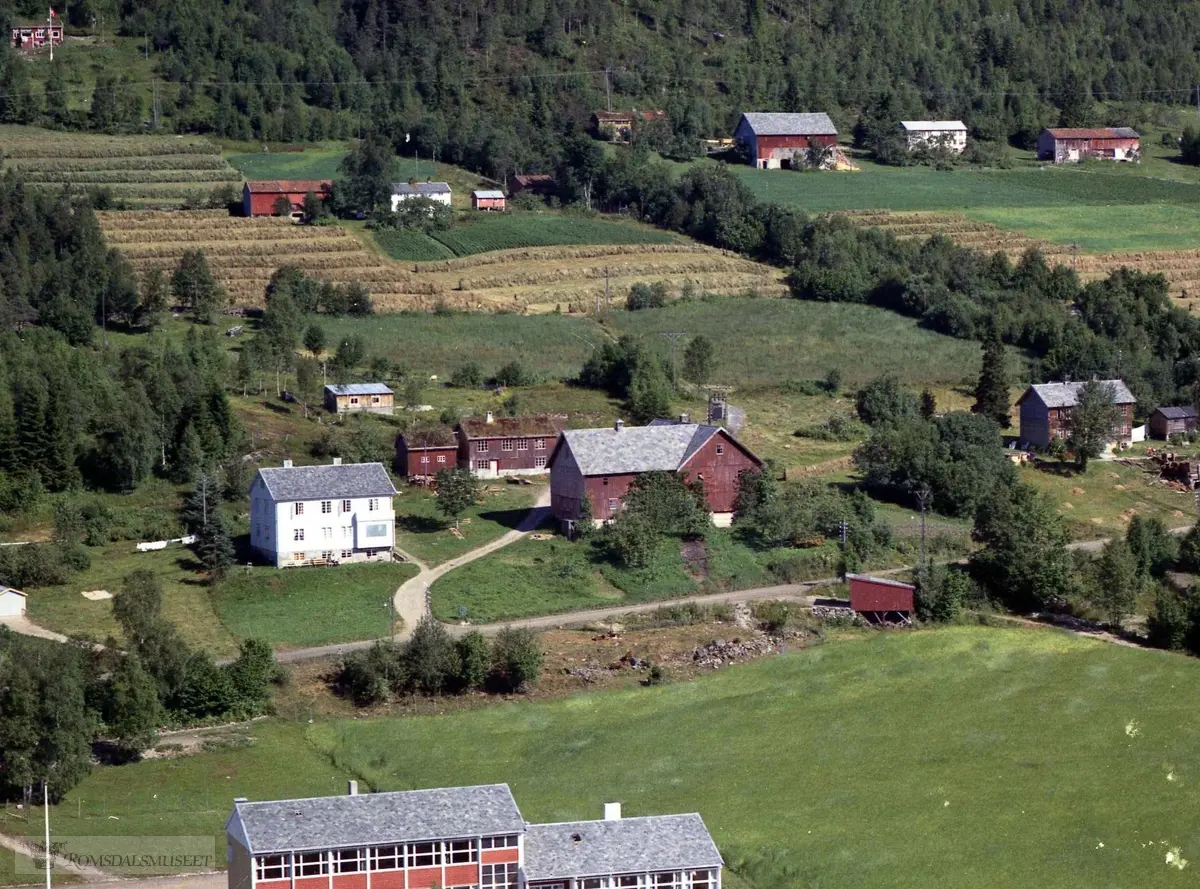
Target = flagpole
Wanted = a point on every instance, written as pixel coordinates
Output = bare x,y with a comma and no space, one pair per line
46,811
50,34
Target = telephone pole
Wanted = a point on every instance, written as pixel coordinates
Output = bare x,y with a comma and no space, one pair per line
924,495
608,89
674,337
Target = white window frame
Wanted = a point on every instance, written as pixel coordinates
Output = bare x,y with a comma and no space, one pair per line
441,458
394,855
297,508
348,861
373,504
539,444
539,462
347,554
720,450
346,506
280,867
481,447
297,535
432,852
326,507
311,864
506,444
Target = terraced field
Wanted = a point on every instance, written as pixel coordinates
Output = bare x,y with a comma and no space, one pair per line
142,171
243,254
1181,267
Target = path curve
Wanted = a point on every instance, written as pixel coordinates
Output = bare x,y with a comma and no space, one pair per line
19,623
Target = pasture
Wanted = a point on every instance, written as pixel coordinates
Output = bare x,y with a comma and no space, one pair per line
1003,758
312,163
141,171
421,531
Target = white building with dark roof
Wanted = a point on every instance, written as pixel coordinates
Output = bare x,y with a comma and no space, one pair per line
317,515
438,192
459,838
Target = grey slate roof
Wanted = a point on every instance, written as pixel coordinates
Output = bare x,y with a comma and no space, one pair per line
609,451
770,123
1067,394
379,818
1177,413
287,483
491,193
359,389
883,580
627,845
420,188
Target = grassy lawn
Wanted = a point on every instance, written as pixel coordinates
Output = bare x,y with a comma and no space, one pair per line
1101,501
309,164
1011,756
411,246
186,597
310,606
422,532
1102,229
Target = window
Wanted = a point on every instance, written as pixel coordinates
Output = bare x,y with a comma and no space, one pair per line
326,506
703,879
481,447
629,881
539,444
298,557
299,510
594,883
272,867
345,506
539,462
671,880
348,861
612,504
498,876
441,458
311,864
346,530
424,854
374,399
387,858
461,852
354,399
482,464
505,842
373,504
347,553
506,445
327,554
424,458
379,530
522,444
327,533
720,450
298,534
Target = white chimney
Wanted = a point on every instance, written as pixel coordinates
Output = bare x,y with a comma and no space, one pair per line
489,417
685,419
239,799
287,464
619,425
353,788
612,811
337,461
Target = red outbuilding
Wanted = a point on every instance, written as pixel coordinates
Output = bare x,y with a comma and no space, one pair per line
499,446
881,601
601,464
1065,145
259,198
772,140
35,35
487,199
426,452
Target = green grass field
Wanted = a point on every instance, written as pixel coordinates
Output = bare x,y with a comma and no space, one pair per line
411,246
310,606
309,164
1118,227
422,532
963,757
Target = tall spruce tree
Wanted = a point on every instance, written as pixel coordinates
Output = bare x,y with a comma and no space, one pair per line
991,393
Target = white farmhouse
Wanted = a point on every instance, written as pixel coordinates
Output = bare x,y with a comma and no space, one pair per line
306,515
931,133
434,191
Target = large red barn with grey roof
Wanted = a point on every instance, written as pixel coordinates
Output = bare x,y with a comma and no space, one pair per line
259,197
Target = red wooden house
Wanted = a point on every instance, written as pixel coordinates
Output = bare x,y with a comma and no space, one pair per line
34,35
426,452
497,446
487,199
772,139
259,198
881,601
540,184
1065,145
602,464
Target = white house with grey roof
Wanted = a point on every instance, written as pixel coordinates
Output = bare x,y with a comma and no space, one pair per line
459,838
602,464
772,139
1046,410
438,192
318,515
948,134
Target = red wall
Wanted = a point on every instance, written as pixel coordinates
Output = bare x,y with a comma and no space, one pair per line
499,856
602,487
489,203
408,462
264,204
424,877
768,144
387,879
868,596
721,472
469,453
349,881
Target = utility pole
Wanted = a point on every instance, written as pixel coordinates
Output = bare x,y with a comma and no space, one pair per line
674,337
607,300
608,89
46,782
924,495
155,107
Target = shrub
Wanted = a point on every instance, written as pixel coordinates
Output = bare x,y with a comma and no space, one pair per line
516,658
368,677
775,615
1170,624
467,376
647,296
475,658
514,374
431,659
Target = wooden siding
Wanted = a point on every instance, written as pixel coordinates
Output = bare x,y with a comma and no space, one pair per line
413,462
349,404
505,450
868,595
1163,428
241,868
719,471
1041,424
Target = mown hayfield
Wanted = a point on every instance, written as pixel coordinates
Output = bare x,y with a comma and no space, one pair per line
138,170
963,757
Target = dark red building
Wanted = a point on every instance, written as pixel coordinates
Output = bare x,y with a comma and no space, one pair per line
497,446
881,601
1066,145
602,463
259,198
540,184
35,35
771,140
426,452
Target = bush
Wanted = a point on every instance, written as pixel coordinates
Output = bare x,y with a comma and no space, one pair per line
431,658
647,296
475,658
516,659
775,615
467,376
369,677
514,374
837,427
1170,625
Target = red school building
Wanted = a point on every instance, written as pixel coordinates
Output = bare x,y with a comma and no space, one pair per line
459,838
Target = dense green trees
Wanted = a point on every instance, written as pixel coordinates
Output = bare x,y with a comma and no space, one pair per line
1092,422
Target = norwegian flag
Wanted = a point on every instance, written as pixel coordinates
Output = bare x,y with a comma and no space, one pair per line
53,14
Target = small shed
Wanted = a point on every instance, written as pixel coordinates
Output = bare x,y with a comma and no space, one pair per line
487,199
1168,421
881,601
423,453
12,602
370,398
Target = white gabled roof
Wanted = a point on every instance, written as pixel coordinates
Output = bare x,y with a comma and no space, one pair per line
933,126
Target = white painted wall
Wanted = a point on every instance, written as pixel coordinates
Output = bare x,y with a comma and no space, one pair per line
367,524
440,198
12,604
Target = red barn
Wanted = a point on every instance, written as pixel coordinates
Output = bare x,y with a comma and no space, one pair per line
771,139
499,446
259,198
426,452
35,35
1071,145
881,601
487,199
602,463
540,184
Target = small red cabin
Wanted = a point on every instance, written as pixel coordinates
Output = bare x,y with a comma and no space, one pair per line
32,36
881,601
487,199
426,452
260,198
